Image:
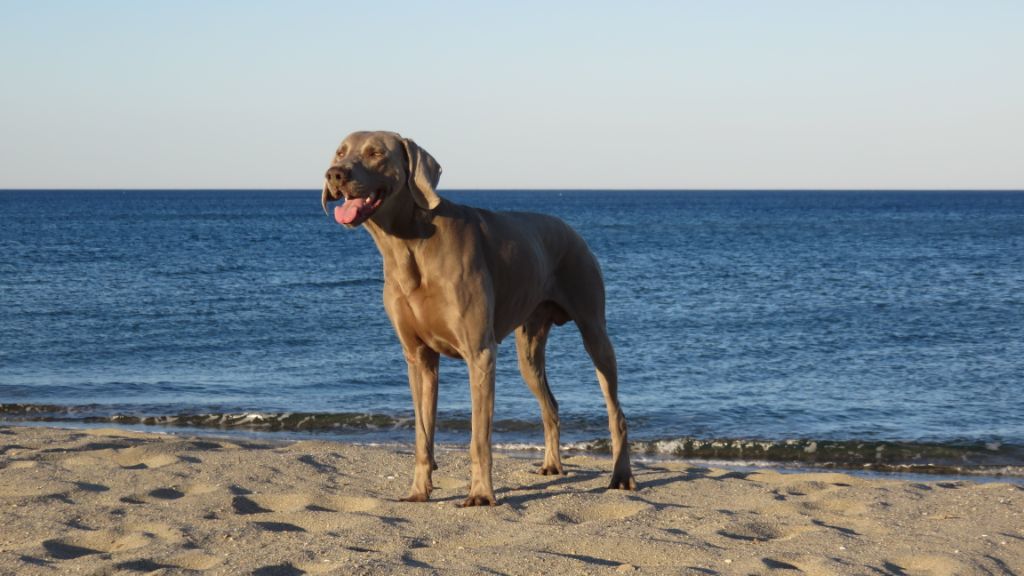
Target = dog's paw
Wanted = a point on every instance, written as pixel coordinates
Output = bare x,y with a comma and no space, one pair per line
479,501
550,471
623,482
416,497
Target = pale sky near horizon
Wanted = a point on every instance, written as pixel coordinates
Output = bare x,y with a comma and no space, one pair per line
680,95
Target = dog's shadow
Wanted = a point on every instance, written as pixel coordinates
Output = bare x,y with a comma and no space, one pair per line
647,477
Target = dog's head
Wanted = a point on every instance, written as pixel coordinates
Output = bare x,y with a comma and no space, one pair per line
374,170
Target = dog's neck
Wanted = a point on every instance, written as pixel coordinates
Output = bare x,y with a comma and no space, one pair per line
398,230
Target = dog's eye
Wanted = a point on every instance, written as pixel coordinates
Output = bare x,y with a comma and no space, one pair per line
374,153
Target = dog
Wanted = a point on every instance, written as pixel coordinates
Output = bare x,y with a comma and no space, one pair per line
458,280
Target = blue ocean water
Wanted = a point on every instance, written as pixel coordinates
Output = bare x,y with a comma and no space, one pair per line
856,318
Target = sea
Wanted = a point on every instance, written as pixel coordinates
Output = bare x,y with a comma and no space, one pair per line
878,330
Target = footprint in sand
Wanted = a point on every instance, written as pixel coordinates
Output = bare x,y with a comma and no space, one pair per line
601,512
758,531
166,493
933,565
199,488
245,506
790,563
848,517
194,560
246,503
352,503
143,458
144,565
291,502
278,570
95,542
90,487
774,564
159,531
320,467
61,550
88,542
279,527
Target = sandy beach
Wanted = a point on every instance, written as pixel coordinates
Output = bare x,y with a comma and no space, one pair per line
102,501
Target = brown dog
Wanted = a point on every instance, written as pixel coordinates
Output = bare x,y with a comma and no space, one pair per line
457,280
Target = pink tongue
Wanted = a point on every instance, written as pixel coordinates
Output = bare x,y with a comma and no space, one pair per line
348,212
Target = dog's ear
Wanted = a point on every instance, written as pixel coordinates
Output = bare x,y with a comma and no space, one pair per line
424,173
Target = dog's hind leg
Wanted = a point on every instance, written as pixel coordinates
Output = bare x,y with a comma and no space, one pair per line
599,347
531,339
582,290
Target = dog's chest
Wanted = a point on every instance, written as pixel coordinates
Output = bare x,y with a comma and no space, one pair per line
424,315
420,306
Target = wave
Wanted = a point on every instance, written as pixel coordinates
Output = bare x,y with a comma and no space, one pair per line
975,458
990,458
254,421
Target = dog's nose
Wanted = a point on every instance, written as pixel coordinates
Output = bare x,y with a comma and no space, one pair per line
339,174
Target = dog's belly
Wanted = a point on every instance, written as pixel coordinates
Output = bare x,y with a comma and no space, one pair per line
442,346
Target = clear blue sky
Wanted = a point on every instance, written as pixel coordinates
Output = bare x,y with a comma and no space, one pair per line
715,94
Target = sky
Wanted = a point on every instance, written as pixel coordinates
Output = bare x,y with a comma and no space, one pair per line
894,94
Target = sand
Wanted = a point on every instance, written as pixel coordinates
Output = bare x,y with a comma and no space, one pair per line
120,502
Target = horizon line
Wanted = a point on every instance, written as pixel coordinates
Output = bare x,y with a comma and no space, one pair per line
541,189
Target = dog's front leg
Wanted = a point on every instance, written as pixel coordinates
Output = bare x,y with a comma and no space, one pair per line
423,365
481,382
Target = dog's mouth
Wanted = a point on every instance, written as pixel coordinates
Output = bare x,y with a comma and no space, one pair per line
358,209
355,211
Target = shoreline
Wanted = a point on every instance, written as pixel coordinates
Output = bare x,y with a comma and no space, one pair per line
101,499
909,472
717,452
